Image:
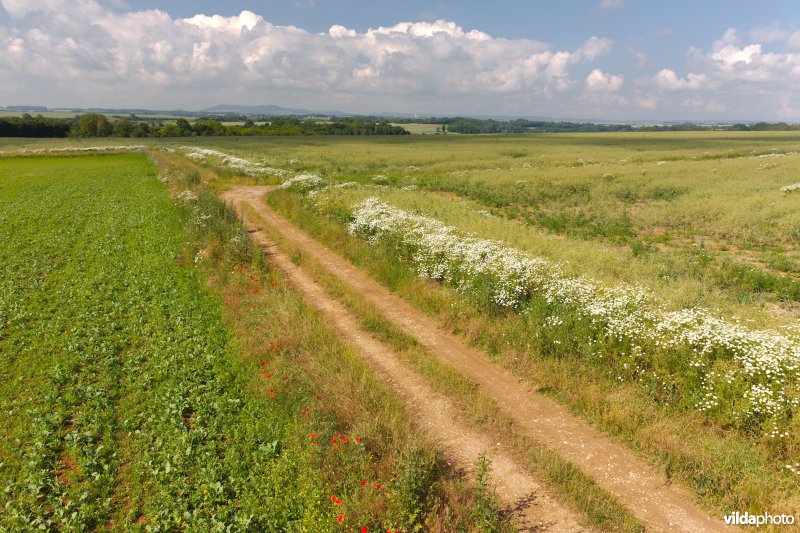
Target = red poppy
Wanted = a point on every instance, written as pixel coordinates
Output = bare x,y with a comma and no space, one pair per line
377,485
338,502
333,498
363,483
340,518
364,530
358,439
333,441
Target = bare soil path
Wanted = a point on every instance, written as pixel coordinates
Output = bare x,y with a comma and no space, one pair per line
433,412
637,485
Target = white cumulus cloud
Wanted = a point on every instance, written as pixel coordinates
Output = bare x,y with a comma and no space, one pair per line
99,53
595,47
69,46
598,81
669,80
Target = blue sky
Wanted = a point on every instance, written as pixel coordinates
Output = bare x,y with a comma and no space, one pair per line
608,59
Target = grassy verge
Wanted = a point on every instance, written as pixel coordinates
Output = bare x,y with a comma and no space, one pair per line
399,481
726,469
599,508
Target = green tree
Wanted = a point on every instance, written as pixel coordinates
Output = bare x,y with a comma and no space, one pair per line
184,128
141,129
170,130
209,127
122,127
94,125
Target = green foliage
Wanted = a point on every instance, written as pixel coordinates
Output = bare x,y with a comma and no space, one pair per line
126,400
92,125
473,125
487,506
184,128
97,125
121,400
411,487
28,126
121,392
123,127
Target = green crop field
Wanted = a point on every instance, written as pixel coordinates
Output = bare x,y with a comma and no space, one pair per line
421,129
155,374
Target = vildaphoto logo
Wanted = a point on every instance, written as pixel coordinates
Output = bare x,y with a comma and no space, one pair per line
765,519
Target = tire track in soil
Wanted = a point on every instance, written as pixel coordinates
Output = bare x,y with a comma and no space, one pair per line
433,412
638,486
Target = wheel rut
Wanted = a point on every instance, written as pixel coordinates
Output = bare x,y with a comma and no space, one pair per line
637,485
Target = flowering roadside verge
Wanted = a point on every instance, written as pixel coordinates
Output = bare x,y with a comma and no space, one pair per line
238,164
79,149
302,183
761,382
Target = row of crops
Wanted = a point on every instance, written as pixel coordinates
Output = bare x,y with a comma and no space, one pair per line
138,393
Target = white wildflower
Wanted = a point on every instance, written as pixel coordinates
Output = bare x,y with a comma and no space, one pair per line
302,183
239,164
767,360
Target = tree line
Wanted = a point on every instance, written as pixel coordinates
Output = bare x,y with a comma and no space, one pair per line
489,126
469,125
97,125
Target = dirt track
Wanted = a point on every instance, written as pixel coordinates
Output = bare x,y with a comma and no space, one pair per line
636,485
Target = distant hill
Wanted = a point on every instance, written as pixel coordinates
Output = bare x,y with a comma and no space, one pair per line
265,110
27,108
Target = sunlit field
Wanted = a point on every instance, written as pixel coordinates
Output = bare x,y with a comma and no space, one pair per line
157,374
649,281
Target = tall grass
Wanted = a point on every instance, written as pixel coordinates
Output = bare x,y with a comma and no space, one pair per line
727,469
417,487
565,481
